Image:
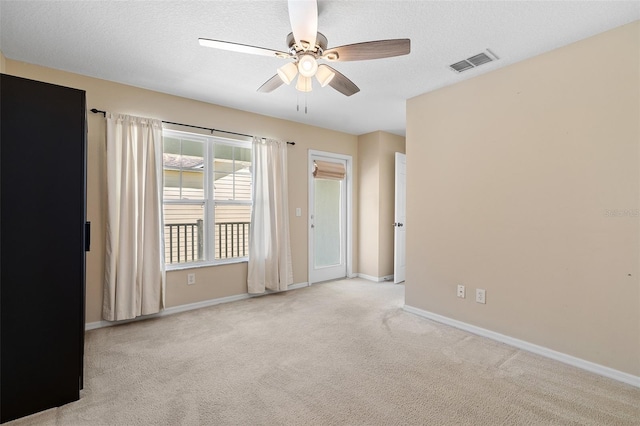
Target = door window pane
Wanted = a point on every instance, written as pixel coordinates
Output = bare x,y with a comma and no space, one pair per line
327,222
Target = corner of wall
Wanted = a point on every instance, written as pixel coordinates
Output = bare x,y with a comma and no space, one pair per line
3,63
368,202
376,156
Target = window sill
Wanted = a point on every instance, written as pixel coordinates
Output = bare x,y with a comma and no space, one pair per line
196,265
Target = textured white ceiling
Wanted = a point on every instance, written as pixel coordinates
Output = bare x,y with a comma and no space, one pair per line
154,45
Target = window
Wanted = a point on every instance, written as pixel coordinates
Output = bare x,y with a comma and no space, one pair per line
207,199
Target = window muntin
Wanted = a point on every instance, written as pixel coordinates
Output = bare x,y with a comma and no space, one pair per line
207,199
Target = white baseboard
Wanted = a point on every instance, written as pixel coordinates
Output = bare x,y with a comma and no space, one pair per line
183,308
376,279
298,285
530,347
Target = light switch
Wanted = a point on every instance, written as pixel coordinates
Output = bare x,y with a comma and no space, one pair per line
298,211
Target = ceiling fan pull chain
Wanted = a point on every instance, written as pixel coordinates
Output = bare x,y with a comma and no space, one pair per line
297,102
305,103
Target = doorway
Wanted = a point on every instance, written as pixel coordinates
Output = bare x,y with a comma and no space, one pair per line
400,219
329,216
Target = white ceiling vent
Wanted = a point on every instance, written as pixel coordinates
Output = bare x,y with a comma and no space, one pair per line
474,61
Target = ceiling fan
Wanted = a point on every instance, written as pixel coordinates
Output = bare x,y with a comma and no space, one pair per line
306,46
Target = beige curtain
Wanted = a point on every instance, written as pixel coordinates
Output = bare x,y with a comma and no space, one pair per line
269,246
134,268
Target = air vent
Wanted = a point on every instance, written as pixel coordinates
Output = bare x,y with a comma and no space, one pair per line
461,66
479,59
474,61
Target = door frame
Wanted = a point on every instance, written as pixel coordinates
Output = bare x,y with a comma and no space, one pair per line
400,228
349,208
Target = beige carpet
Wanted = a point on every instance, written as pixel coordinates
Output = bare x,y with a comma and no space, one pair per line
336,353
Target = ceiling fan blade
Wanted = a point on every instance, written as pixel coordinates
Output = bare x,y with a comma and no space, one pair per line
342,84
242,48
303,15
272,84
369,50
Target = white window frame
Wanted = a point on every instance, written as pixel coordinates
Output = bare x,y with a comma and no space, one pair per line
209,202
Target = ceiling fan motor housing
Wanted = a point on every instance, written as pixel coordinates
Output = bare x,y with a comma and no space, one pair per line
318,49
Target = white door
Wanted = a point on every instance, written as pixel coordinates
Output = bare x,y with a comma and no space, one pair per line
400,225
327,224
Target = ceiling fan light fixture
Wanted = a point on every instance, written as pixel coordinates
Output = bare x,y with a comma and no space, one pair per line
324,75
288,72
307,65
304,83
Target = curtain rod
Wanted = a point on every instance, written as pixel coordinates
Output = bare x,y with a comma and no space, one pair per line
104,113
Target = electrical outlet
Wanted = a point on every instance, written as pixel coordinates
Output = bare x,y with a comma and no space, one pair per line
481,295
191,279
460,290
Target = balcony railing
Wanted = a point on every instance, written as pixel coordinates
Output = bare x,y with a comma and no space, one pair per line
184,242
233,239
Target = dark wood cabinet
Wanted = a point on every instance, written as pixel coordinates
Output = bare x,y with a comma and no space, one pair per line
42,245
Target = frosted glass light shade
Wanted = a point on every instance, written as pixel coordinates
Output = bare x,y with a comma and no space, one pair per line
324,75
307,65
304,84
288,72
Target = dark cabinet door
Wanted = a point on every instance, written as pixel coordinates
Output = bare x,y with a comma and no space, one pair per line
42,259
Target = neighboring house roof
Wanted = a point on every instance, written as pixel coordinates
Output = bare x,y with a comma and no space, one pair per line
222,166
182,161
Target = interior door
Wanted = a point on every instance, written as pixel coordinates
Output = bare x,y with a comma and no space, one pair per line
400,221
327,223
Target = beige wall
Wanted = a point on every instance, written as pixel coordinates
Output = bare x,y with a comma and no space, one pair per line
513,179
376,165
3,63
369,202
211,282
